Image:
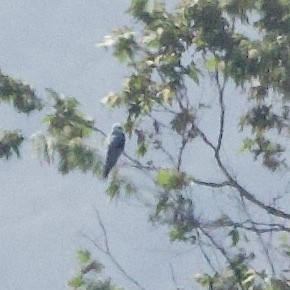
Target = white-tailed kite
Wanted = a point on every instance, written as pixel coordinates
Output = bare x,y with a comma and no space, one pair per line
115,148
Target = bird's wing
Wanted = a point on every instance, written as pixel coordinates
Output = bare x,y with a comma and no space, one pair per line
115,149
117,141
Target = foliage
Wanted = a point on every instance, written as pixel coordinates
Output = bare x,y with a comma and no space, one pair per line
68,129
20,95
24,100
9,143
224,43
89,275
240,43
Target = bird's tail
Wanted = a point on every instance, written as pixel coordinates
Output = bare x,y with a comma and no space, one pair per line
106,171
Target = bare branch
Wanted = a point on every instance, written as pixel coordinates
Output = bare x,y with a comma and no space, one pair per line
173,278
232,181
205,255
99,131
223,253
265,249
222,108
250,197
205,139
181,150
169,156
235,184
107,251
210,184
248,225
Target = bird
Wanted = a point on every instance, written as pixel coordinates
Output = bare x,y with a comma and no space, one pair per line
115,148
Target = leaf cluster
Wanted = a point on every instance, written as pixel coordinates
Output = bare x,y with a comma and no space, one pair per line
89,276
68,130
20,95
23,98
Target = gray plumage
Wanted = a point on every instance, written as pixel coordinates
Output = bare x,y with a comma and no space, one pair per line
115,148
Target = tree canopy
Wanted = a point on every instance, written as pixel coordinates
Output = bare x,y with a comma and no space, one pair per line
236,50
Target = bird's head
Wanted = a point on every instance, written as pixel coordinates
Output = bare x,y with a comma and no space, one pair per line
117,128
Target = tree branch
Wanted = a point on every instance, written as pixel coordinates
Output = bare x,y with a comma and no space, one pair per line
205,139
136,163
222,109
224,254
107,251
210,184
265,249
173,278
235,184
205,255
180,153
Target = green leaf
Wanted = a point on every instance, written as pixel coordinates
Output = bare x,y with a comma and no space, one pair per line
115,186
170,179
83,256
212,64
141,149
178,234
76,281
20,95
193,73
204,279
247,144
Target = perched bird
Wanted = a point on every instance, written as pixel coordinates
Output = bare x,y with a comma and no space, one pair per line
115,148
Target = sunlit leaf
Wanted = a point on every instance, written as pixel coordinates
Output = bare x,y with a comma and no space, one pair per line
170,179
76,281
83,256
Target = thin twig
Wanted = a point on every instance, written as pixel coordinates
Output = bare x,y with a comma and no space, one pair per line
265,249
210,184
169,156
222,109
205,139
107,251
205,255
173,278
224,254
235,184
180,153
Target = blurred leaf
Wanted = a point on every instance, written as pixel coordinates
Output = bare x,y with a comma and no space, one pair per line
83,256
141,149
20,95
181,120
112,100
170,179
193,73
10,142
212,64
76,281
114,187
177,234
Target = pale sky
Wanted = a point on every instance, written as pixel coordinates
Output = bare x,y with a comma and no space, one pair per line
52,44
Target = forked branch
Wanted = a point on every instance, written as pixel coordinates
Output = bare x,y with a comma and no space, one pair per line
231,181
105,249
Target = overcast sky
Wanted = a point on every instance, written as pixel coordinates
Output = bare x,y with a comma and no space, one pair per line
52,44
